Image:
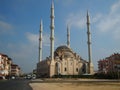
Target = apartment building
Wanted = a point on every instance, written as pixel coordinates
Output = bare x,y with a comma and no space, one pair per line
7,68
15,70
5,65
109,64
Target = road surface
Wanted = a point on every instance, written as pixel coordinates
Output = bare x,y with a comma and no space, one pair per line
15,85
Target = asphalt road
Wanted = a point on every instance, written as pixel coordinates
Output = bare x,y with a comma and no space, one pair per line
15,85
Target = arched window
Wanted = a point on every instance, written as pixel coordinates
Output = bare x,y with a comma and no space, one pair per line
76,69
65,69
58,68
84,68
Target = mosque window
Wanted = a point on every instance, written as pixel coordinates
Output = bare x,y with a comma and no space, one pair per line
76,69
65,69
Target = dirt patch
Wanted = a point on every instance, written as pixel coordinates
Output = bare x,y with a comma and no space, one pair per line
76,86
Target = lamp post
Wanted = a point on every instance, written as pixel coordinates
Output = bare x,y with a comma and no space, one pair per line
118,71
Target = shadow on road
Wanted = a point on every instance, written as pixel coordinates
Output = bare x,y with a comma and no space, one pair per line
15,85
28,87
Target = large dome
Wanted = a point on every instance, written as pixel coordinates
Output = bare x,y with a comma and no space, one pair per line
63,48
64,51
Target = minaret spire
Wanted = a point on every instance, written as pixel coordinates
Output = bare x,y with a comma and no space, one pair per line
40,41
52,32
52,64
68,36
90,67
52,4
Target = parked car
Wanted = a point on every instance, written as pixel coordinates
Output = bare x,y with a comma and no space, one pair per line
13,77
2,77
28,76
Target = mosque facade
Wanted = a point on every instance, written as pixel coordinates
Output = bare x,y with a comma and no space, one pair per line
63,60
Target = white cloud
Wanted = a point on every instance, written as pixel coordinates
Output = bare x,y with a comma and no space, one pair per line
111,21
96,18
115,7
4,26
76,20
33,38
103,22
46,40
25,56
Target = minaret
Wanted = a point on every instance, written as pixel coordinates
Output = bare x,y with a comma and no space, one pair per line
52,64
68,36
52,32
90,65
40,41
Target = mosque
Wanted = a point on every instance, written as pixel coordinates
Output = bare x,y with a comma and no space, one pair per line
63,61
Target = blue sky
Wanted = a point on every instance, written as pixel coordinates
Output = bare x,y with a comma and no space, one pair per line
20,21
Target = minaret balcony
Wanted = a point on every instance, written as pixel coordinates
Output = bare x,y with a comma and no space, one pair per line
52,27
89,42
51,38
52,16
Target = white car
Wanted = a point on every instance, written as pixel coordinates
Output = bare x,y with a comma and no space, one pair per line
13,77
2,78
